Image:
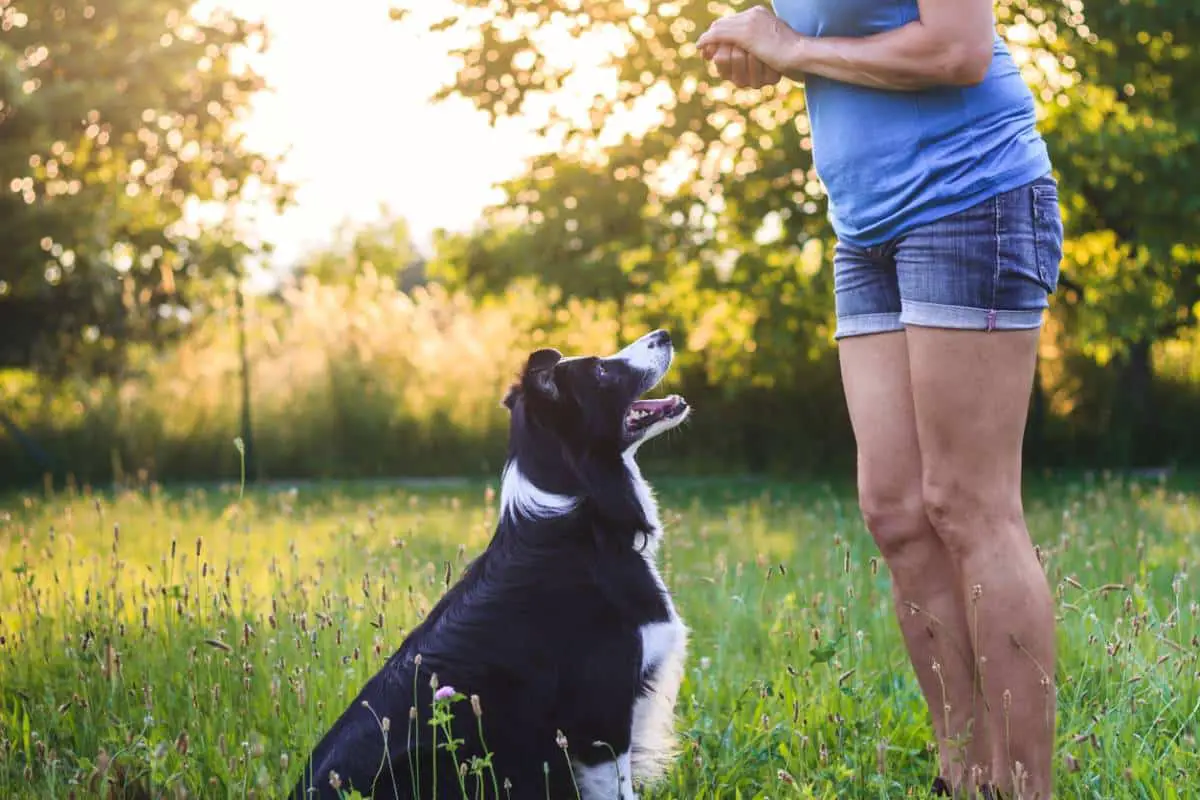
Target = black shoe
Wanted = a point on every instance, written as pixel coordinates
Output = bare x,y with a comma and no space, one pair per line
941,788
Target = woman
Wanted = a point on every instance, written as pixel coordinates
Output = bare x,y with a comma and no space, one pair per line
949,241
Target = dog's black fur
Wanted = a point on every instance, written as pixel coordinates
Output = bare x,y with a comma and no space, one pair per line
545,625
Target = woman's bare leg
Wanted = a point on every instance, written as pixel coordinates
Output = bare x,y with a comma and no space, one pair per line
971,392
926,586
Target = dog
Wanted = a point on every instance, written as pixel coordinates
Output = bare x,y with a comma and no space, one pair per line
562,633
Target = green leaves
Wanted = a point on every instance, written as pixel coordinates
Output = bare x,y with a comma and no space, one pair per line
824,653
657,181
113,121
697,205
384,246
1125,139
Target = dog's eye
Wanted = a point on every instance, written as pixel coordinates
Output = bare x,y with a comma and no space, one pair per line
601,370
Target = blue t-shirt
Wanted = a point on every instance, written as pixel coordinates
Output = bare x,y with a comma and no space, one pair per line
894,160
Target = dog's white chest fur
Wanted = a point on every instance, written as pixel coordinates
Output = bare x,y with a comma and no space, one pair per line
664,652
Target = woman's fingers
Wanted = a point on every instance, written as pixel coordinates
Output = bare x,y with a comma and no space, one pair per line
757,70
740,67
720,59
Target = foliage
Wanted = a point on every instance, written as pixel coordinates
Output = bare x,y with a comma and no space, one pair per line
363,379
1122,119
1119,91
384,245
353,379
115,120
665,198
690,203
697,205
199,642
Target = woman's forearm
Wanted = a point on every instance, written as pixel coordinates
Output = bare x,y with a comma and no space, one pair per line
907,58
950,44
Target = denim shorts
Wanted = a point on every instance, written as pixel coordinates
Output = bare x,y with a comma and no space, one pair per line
990,267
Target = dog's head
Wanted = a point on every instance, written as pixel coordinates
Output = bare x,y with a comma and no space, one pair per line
576,425
593,405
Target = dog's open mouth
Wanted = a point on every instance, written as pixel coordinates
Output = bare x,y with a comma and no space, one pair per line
644,413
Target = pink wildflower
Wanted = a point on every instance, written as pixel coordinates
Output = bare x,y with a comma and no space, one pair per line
444,693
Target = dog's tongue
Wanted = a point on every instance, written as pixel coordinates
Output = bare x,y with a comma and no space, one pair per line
654,406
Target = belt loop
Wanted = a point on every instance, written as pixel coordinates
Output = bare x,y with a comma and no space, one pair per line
991,320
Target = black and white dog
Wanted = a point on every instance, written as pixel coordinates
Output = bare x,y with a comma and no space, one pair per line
563,627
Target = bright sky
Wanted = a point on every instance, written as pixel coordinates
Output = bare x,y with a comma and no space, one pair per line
350,100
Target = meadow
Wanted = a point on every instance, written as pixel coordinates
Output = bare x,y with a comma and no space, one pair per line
195,641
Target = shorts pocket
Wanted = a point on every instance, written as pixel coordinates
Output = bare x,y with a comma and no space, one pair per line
1047,234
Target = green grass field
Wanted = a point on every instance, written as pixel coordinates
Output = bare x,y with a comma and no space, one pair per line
196,644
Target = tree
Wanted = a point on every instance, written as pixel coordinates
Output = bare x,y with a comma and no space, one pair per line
728,179
384,245
669,184
114,119
1120,85
690,203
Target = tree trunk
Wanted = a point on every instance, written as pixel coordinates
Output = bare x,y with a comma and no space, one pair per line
247,434
1135,406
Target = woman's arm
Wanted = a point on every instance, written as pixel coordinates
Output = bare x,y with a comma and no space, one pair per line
950,45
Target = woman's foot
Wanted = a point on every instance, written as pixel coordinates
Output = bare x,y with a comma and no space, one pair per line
942,789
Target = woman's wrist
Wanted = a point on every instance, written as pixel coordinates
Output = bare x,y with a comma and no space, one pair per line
797,56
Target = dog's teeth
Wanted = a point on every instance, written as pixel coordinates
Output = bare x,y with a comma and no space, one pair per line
637,414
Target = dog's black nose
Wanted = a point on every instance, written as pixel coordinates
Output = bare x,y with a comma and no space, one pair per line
660,338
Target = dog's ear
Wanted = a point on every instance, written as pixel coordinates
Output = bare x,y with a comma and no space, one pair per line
510,397
539,372
541,360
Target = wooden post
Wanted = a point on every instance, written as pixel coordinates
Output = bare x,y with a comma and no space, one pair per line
247,428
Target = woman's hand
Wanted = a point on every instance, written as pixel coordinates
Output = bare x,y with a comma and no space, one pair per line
950,44
736,65
754,35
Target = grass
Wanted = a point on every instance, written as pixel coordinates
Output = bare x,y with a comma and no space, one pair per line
197,641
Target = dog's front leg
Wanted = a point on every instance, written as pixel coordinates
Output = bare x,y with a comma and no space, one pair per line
599,731
610,779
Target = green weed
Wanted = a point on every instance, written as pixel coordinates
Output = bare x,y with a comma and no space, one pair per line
198,643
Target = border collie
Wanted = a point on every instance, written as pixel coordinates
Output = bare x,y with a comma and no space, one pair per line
562,632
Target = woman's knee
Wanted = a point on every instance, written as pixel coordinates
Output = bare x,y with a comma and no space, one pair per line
898,524
966,515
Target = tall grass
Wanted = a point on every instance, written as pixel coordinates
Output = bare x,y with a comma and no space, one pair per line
354,380
365,380
197,643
